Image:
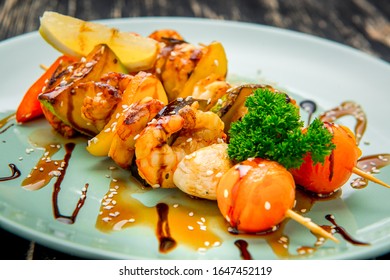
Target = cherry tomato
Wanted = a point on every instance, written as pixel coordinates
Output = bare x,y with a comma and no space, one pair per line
327,178
255,195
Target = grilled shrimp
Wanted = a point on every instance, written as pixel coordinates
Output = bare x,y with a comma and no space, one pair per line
198,173
129,125
102,97
157,157
167,36
212,88
174,66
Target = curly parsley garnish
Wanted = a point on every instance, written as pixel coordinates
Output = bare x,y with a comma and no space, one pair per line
272,129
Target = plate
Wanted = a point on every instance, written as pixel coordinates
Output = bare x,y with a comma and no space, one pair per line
304,66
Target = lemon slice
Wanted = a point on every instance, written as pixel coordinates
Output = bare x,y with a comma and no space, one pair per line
76,37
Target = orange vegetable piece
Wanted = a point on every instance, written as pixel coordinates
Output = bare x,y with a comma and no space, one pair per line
255,195
327,178
30,108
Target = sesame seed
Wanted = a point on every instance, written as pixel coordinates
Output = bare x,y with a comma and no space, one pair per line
191,214
190,227
136,137
209,172
267,205
189,139
226,193
218,175
131,220
175,205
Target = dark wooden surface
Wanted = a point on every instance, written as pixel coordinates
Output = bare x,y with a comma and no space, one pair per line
362,24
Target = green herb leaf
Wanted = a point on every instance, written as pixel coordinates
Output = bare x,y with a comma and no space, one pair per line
272,129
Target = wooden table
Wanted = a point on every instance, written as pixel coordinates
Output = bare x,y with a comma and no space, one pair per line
362,24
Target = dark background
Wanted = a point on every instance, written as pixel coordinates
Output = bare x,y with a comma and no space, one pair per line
361,24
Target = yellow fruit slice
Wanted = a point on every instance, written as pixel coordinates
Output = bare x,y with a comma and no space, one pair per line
76,37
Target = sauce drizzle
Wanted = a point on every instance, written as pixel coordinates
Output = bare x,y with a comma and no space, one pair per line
69,147
370,164
242,245
342,231
167,243
15,173
348,108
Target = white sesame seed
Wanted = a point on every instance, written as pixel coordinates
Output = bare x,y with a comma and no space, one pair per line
218,175
190,227
267,205
191,214
226,193
209,172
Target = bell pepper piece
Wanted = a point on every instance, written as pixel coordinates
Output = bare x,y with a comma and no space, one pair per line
30,107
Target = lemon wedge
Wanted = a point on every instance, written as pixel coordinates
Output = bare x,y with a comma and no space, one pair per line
77,38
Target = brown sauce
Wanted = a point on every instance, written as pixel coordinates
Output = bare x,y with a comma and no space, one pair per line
48,168
339,229
175,219
242,245
348,108
15,173
167,243
69,147
5,121
370,164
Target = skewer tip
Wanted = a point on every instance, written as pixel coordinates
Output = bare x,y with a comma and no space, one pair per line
311,225
369,177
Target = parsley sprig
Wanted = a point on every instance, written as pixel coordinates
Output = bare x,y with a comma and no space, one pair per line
272,129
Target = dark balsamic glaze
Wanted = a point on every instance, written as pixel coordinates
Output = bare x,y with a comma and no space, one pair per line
242,245
15,173
167,243
69,147
44,172
337,228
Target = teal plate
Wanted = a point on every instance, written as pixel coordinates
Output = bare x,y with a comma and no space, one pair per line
304,66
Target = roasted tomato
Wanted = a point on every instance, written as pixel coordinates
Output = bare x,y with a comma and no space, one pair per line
255,195
325,179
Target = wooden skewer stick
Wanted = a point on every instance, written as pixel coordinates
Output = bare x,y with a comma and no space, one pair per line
310,225
369,177
43,67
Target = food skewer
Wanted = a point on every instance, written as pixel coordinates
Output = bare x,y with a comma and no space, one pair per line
369,177
254,206
310,225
